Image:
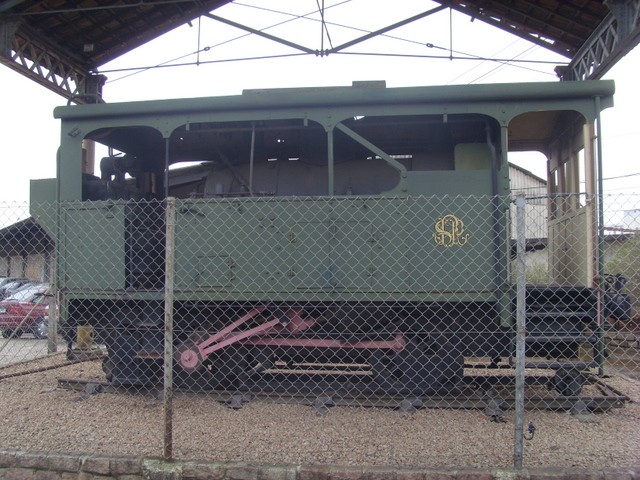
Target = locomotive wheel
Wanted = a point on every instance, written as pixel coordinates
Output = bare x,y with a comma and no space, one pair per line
41,329
254,360
417,369
220,370
386,370
409,371
10,332
108,367
569,381
188,357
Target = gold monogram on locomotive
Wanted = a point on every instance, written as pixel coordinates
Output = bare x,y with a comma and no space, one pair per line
450,231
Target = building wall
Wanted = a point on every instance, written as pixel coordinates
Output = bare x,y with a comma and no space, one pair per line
16,266
535,190
36,267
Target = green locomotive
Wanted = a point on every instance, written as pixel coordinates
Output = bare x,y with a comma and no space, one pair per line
362,228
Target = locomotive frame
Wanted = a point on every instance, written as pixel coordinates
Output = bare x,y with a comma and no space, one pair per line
346,226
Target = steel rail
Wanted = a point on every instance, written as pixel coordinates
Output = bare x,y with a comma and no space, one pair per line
472,400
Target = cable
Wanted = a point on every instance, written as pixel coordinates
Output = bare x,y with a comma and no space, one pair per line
227,60
137,70
469,56
393,37
333,24
503,64
635,190
623,176
450,56
619,176
476,66
512,62
263,57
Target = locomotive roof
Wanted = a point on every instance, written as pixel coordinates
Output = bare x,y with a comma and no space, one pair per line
532,111
359,94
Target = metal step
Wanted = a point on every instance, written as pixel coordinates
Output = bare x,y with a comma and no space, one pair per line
558,365
558,314
561,338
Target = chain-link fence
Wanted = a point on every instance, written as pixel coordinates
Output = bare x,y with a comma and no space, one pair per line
262,329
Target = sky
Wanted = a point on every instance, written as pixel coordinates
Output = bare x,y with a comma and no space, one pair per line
214,61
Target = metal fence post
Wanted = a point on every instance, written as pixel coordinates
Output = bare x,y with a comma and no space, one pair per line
168,327
600,348
54,302
520,330
52,324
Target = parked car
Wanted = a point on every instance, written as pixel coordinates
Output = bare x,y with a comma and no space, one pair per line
4,280
25,311
9,285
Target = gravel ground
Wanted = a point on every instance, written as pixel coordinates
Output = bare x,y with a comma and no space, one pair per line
37,415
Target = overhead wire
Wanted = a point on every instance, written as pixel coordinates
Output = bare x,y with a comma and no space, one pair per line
140,69
512,62
206,62
504,64
459,55
479,64
617,177
623,176
635,189
333,24
509,61
137,70
465,56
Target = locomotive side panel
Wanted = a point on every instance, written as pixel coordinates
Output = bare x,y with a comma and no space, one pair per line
338,249
451,244
94,258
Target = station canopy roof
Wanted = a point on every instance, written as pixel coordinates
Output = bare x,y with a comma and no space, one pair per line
72,39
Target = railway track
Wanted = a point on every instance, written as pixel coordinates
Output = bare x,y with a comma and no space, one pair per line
493,401
486,393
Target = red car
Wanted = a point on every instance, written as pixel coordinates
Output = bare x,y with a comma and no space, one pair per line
25,311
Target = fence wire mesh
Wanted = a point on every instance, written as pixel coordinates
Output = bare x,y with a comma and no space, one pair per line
262,329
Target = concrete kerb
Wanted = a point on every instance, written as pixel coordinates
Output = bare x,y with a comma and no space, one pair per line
27,465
